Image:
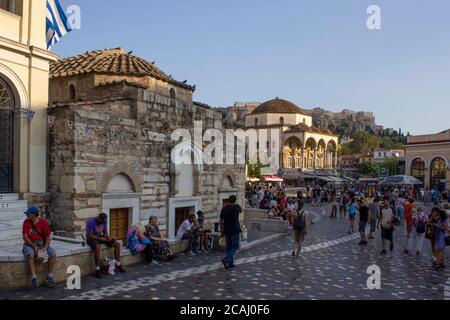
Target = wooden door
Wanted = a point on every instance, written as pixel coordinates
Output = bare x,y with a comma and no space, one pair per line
181,214
119,224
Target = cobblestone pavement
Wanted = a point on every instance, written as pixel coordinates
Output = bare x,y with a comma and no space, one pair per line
332,266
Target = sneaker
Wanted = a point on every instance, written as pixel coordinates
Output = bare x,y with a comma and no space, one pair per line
406,251
190,253
231,266
225,264
383,252
34,283
156,263
361,243
50,282
120,269
98,274
365,243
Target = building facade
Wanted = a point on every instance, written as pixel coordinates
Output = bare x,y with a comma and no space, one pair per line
24,71
428,159
301,145
111,147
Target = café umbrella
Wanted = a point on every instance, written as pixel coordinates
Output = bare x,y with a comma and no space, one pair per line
402,181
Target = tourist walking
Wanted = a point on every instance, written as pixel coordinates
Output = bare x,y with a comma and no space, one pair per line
430,232
343,206
409,211
352,211
373,216
363,219
300,224
334,207
441,232
419,224
231,230
387,227
400,207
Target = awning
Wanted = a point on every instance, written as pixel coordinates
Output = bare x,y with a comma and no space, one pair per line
273,179
253,180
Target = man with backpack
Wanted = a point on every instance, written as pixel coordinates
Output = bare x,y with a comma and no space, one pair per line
300,221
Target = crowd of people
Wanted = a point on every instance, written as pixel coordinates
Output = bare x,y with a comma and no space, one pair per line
146,240
384,209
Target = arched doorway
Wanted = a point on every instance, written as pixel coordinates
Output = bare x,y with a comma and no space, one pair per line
6,140
438,173
418,169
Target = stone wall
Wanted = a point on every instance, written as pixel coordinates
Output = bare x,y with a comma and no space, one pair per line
125,129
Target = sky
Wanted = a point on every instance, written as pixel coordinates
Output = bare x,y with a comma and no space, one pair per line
316,53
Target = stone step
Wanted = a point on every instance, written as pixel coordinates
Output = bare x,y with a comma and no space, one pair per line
17,204
9,197
13,241
11,233
12,214
8,224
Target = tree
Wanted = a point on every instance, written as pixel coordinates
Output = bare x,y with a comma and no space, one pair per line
392,165
368,169
364,143
254,169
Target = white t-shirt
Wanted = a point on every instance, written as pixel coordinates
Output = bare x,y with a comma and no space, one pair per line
386,218
184,227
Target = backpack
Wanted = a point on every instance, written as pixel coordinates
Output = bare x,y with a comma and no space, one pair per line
299,222
421,227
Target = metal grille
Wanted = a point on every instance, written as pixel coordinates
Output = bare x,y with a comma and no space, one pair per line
6,137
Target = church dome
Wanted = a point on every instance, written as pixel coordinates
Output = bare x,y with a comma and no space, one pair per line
278,106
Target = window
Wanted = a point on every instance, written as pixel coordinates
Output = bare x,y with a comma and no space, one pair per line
256,122
172,94
72,92
268,145
281,120
9,5
289,162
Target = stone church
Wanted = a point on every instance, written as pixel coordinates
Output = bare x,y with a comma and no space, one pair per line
302,146
111,117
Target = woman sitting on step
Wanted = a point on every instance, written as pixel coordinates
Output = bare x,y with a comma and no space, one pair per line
160,246
138,243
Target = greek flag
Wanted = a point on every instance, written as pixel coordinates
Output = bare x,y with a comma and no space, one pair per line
57,24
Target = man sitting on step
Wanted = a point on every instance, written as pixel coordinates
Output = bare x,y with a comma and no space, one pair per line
96,235
36,234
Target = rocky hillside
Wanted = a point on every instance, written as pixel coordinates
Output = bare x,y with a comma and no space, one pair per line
344,123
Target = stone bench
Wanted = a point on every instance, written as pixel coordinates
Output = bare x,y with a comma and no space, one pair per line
261,228
14,271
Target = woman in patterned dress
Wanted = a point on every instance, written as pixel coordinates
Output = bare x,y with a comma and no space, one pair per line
161,247
137,243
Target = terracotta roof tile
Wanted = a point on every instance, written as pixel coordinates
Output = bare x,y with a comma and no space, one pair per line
110,61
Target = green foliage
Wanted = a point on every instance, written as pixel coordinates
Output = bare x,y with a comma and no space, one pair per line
363,143
254,169
368,169
392,165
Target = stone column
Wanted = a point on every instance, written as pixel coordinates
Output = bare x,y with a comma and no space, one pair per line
303,158
335,161
315,157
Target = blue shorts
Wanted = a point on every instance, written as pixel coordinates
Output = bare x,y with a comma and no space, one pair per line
28,250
